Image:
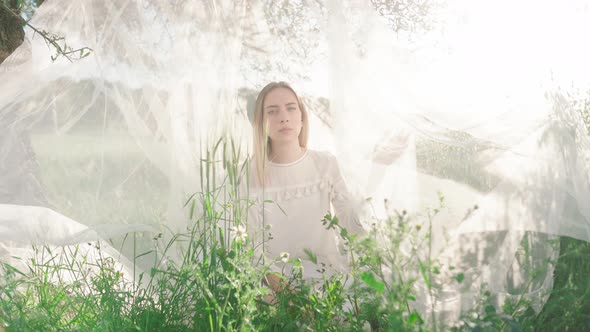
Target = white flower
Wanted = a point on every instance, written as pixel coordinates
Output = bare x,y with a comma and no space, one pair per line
284,256
239,233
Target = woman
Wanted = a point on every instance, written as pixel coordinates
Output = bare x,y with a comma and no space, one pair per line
295,188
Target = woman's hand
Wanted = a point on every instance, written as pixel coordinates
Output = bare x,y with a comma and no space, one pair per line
391,148
277,283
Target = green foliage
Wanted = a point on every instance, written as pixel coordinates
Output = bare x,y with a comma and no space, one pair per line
568,307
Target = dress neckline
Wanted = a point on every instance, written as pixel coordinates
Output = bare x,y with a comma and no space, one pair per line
291,163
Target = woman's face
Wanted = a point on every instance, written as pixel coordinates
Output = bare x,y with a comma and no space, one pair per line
281,112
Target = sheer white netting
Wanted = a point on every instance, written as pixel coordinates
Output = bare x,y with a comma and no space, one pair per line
479,106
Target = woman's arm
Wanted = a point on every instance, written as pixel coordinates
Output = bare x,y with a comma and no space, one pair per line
346,207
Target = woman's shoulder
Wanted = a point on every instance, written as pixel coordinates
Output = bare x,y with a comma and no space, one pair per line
321,155
324,161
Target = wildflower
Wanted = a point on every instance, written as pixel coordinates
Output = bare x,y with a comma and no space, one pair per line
239,233
299,265
284,256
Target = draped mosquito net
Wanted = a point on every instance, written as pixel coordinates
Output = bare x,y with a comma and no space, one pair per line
477,98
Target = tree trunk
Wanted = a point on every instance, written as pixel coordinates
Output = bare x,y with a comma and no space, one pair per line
19,170
11,30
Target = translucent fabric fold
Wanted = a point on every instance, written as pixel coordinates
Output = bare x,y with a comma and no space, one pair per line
477,109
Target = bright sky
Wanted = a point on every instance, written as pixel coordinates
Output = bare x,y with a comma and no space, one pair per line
500,46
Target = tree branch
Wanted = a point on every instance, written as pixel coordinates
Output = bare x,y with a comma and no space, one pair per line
52,40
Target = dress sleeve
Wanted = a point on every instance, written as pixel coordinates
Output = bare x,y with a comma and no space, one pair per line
346,207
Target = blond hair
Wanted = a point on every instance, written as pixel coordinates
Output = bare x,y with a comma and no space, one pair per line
262,146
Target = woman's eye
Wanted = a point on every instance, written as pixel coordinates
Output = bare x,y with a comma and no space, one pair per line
270,112
291,109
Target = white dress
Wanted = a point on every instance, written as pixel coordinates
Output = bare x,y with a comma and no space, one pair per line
289,211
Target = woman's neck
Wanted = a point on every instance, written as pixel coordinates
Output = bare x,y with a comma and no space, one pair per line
286,153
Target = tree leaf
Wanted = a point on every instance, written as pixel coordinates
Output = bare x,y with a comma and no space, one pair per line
413,318
371,281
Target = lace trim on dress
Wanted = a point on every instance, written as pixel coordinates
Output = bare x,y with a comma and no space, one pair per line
306,190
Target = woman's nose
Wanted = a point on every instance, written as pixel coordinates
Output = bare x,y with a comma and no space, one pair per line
284,117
